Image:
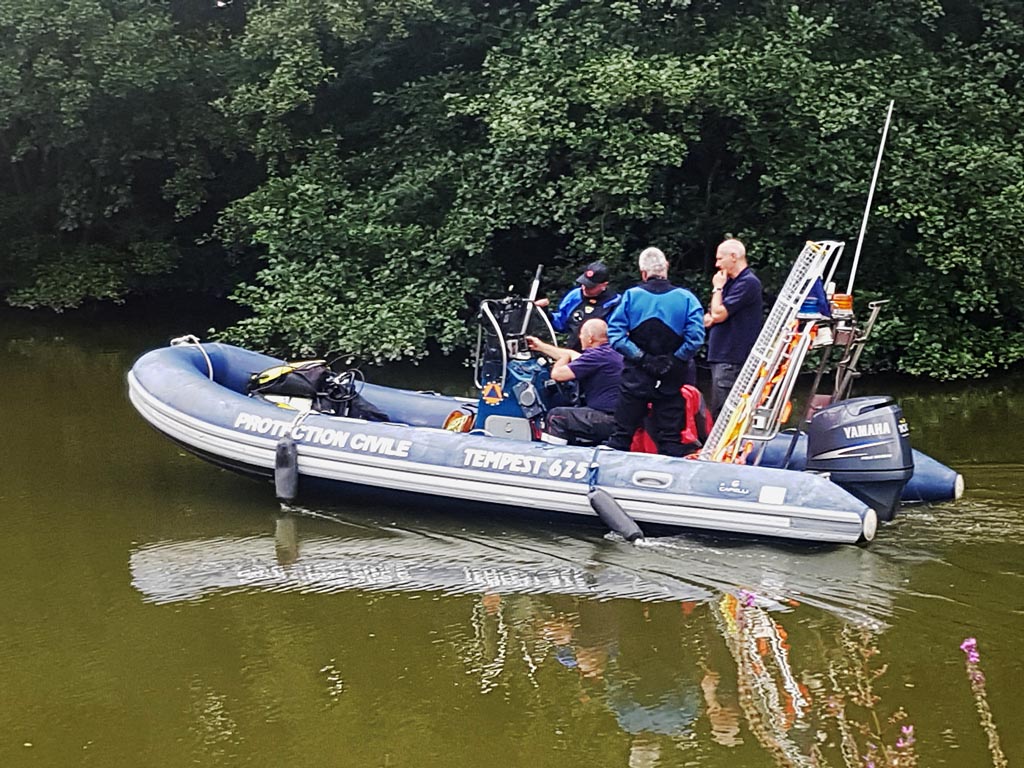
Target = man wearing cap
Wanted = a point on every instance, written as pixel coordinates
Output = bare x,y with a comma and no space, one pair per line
733,319
592,299
657,327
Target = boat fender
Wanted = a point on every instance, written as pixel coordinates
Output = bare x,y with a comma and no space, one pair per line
286,469
613,515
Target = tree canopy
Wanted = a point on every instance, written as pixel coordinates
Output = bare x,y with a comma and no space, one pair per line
350,171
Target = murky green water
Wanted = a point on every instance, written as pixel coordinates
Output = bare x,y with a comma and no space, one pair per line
159,612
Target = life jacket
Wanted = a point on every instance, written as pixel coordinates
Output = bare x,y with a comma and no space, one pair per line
597,307
696,428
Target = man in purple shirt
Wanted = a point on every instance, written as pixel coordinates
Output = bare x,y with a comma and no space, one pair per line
733,320
597,369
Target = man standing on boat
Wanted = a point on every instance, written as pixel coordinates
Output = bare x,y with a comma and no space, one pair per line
658,327
598,369
733,319
593,299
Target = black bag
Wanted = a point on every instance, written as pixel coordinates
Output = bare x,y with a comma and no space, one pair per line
301,379
361,408
336,394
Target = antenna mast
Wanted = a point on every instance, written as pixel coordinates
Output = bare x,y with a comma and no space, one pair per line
871,194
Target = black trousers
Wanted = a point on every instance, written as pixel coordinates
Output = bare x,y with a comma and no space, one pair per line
580,425
668,409
723,376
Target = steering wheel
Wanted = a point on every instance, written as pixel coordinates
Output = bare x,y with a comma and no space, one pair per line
345,386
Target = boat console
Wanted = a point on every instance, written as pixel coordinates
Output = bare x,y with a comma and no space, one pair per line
515,386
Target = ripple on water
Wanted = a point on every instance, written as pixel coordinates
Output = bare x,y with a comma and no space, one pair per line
976,520
861,584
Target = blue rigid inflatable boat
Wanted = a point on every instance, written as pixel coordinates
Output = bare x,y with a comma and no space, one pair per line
197,395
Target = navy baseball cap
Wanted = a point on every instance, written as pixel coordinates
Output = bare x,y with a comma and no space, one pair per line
595,274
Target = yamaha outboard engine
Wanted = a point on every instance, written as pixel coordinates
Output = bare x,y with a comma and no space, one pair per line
863,445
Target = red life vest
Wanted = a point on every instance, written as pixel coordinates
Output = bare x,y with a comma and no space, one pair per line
696,428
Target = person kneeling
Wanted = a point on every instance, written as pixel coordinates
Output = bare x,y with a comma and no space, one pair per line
597,370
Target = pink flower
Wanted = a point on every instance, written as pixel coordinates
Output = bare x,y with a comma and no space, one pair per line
749,598
907,738
970,647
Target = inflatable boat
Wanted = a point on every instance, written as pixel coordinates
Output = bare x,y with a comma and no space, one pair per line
198,396
311,429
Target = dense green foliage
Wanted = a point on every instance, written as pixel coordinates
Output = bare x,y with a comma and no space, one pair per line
370,164
108,130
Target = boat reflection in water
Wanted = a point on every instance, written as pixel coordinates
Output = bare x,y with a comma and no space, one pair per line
857,584
683,640
827,714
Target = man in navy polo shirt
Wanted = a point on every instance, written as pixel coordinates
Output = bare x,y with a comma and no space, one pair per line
593,299
598,369
733,319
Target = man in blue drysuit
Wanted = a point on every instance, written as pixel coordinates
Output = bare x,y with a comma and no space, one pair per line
657,327
593,299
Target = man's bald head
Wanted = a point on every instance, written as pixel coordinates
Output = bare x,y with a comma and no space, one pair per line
731,256
593,333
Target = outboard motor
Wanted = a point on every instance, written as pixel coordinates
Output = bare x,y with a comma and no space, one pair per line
863,445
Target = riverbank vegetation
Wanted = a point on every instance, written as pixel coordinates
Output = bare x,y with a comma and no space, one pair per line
349,172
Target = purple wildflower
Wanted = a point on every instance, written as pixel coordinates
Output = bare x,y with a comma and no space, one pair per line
970,647
749,598
907,739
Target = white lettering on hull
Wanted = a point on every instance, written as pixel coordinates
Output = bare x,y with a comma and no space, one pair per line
382,445
504,461
500,460
325,436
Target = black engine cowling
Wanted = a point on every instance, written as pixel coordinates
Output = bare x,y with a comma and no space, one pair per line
863,444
